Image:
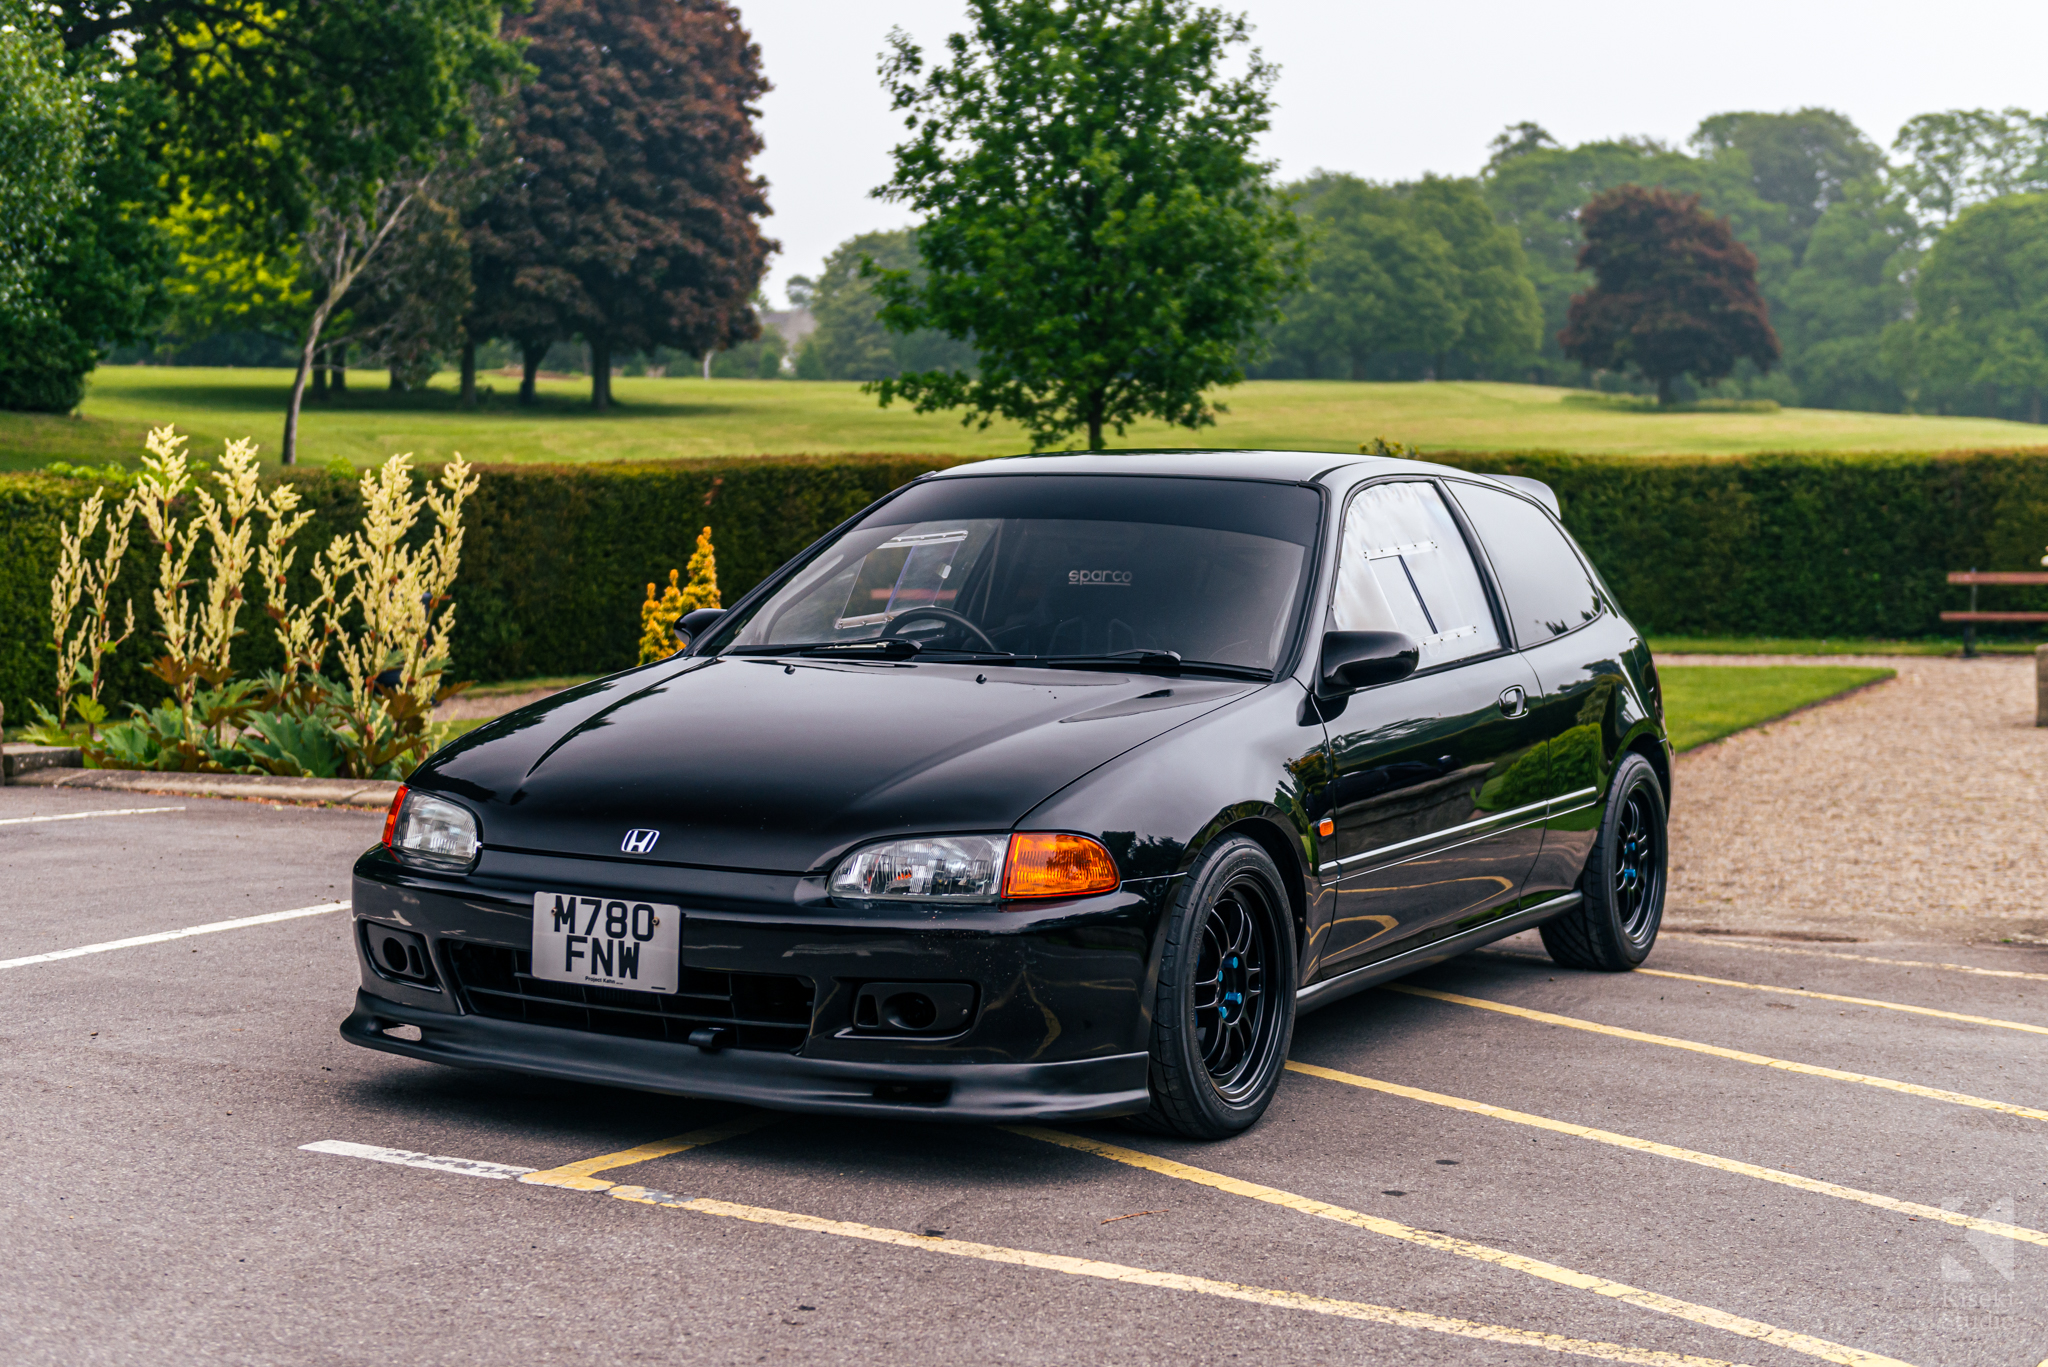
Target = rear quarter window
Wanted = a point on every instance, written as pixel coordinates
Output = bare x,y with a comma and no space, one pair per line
1549,590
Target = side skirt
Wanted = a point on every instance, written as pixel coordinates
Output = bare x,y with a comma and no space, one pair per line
1422,956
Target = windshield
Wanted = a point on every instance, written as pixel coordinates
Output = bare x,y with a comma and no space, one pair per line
1052,567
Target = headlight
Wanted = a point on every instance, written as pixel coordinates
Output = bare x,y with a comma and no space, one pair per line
977,869
430,830
952,868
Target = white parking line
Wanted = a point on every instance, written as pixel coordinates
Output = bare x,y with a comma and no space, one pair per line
1718,942
79,816
468,1167
1076,1267
163,935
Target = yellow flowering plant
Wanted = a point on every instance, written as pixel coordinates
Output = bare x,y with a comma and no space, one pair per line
381,609
659,615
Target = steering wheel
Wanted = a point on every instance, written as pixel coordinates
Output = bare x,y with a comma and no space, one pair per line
944,615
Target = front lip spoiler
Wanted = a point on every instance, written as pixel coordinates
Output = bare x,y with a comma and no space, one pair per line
1079,1089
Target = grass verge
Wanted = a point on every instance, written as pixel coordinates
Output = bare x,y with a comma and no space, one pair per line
1704,703
1662,646
694,418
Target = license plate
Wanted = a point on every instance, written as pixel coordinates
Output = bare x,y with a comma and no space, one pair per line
606,941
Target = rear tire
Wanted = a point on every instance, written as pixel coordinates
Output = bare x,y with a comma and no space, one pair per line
1224,1014
1622,890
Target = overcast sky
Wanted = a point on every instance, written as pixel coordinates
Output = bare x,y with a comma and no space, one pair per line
1389,91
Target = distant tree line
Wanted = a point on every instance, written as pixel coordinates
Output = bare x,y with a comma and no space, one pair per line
1918,281
340,184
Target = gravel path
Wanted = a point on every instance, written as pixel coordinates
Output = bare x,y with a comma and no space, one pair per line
1913,810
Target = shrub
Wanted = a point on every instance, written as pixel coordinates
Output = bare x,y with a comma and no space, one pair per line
658,616
382,609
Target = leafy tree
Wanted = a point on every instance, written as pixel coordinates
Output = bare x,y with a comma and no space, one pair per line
1850,286
1675,292
1959,157
1500,315
1095,222
93,276
1979,342
226,279
1377,283
632,216
1539,188
406,309
352,228
1418,271
261,107
1805,160
851,342
760,359
294,118
44,113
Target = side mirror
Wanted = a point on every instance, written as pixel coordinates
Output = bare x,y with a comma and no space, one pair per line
1360,659
691,625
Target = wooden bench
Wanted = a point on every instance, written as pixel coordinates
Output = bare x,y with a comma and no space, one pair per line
1970,619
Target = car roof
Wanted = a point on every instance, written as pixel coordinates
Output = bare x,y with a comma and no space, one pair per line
1307,467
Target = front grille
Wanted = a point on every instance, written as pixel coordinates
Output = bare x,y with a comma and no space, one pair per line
763,1010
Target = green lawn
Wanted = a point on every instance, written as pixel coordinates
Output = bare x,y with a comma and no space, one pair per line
1662,646
1706,702
693,417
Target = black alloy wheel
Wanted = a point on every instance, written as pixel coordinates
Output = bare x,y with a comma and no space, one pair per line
1224,1016
1622,890
1638,875
1232,1008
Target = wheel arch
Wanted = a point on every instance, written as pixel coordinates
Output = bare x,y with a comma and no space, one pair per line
1654,748
1269,829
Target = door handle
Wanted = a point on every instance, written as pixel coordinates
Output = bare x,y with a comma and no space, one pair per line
1514,702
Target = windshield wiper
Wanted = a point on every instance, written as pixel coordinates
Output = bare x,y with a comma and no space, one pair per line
874,648
1133,661
898,648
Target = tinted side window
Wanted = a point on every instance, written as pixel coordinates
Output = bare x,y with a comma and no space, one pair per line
1548,590
1406,568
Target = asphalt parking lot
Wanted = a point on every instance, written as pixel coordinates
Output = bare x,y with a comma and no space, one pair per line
1725,1160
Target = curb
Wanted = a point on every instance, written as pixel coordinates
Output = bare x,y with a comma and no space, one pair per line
18,760
346,792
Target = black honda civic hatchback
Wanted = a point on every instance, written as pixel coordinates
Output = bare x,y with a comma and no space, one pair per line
1044,788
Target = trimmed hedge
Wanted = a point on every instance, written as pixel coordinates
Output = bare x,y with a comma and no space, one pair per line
556,557
1798,545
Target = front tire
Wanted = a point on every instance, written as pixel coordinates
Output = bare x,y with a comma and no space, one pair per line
1224,1014
1622,890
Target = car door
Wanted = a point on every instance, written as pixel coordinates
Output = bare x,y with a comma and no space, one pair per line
1560,615
1437,781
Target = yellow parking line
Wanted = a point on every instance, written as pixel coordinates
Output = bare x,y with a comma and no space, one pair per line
1853,1001
577,1176
1173,1281
1864,959
1464,1248
1715,1050
1705,1160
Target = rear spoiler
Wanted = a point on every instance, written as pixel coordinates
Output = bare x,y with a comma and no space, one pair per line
1543,493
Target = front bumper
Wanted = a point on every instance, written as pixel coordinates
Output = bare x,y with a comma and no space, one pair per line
1059,1031
1078,1089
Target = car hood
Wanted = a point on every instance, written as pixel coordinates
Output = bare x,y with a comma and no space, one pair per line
782,764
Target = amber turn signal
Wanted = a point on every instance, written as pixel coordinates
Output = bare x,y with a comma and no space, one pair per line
1055,864
391,817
